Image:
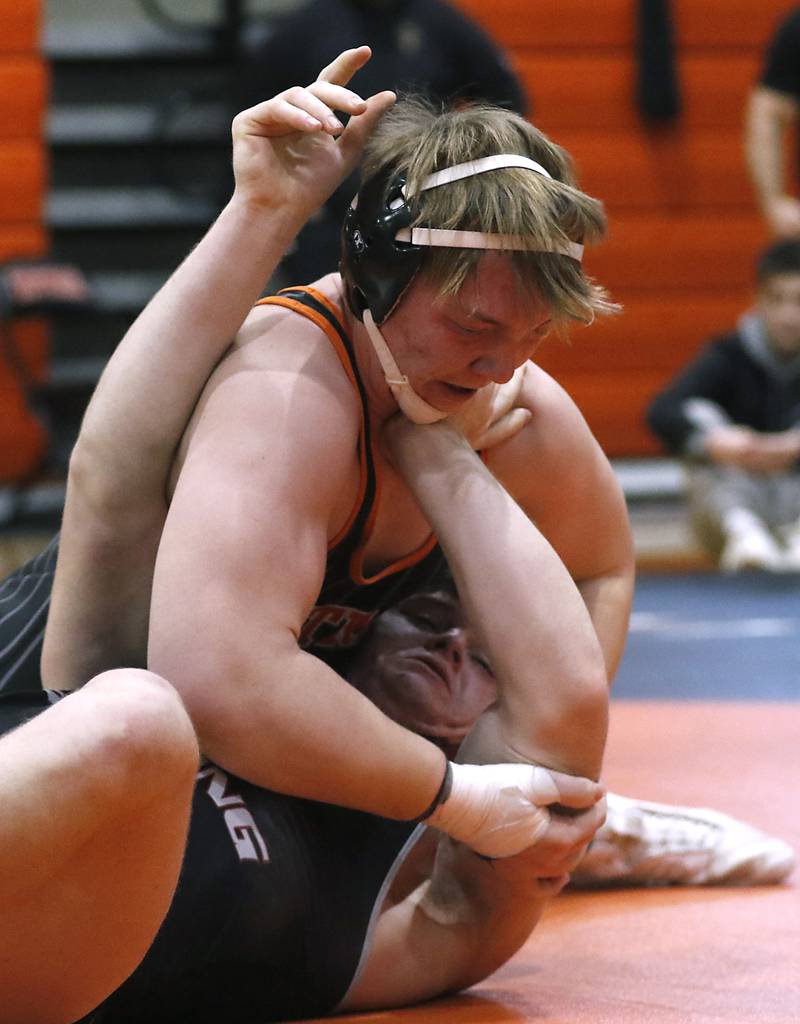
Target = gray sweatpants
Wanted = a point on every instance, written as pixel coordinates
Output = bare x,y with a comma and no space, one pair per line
714,490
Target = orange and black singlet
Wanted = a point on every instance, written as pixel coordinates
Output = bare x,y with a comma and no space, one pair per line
349,600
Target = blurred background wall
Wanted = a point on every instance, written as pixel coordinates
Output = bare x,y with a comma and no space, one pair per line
684,226
23,161
114,156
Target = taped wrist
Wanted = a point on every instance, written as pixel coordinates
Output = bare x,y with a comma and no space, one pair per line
441,795
497,809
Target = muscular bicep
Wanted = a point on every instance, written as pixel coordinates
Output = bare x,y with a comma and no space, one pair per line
560,476
243,551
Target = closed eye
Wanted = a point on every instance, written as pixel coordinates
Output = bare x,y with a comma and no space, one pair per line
469,330
482,662
470,326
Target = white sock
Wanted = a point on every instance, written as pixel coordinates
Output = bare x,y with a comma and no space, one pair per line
737,521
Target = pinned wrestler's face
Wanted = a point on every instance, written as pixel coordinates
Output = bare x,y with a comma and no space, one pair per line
423,667
450,346
779,306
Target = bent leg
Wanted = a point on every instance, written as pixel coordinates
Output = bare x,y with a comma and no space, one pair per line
713,493
95,795
732,513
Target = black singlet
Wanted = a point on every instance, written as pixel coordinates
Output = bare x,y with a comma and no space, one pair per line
24,602
273,908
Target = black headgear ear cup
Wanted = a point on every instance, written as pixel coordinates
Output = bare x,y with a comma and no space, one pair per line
375,267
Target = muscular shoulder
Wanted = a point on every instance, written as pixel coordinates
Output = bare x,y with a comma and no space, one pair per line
279,398
558,473
555,437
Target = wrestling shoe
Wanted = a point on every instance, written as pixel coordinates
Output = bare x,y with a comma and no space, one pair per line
662,844
753,548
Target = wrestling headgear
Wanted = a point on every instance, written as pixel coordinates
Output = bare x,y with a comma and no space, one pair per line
381,255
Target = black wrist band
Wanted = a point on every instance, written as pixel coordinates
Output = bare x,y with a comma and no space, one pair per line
442,794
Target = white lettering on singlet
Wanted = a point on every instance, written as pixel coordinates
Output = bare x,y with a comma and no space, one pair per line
245,835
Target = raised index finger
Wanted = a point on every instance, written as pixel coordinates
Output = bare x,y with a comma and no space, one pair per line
342,69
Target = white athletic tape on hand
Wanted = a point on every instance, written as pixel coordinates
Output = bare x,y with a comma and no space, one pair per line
497,809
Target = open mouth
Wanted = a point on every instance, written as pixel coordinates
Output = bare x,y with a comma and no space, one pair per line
458,391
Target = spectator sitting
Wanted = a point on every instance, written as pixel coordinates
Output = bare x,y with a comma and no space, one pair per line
734,415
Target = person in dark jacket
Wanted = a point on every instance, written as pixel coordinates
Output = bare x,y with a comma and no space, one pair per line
734,415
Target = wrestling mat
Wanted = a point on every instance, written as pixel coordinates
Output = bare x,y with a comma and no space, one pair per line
706,713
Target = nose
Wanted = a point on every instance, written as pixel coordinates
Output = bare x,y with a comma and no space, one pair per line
452,646
499,361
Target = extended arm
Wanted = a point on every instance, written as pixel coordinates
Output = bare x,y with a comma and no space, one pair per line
116,495
513,587
473,914
285,164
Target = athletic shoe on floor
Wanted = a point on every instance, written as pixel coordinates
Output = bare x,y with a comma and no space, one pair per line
662,844
754,548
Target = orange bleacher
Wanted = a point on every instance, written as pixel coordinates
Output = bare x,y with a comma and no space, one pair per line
23,92
684,226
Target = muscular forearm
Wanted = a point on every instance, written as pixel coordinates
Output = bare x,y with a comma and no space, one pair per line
520,596
151,383
285,164
299,728
608,600
115,502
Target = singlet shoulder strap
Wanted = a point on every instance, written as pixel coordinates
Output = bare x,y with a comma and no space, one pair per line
318,308
315,306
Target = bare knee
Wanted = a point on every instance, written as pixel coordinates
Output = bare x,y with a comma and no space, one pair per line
144,734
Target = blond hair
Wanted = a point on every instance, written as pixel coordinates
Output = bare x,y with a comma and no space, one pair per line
417,138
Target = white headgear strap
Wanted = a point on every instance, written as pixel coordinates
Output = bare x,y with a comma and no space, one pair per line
480,239
410,403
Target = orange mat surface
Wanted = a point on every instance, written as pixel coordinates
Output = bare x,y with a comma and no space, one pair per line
666,956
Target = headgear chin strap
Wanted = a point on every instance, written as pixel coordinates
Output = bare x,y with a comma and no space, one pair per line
415,407
377,270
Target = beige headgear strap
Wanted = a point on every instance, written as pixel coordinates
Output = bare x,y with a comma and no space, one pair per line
482,239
